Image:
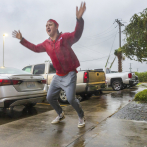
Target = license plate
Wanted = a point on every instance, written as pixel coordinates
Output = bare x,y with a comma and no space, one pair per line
30,84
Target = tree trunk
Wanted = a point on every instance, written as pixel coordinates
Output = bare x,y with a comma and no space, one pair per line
120,62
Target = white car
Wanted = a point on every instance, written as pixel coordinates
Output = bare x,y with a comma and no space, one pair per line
18,87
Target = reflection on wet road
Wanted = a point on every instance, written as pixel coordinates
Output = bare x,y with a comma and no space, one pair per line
20,112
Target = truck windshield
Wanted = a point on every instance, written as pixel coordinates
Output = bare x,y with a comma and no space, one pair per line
39,69
52,69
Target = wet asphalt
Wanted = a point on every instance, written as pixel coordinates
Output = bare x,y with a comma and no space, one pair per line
20,112
104,126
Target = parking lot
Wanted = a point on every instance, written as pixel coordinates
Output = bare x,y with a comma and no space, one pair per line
20,112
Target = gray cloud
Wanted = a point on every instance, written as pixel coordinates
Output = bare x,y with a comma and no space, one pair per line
97,39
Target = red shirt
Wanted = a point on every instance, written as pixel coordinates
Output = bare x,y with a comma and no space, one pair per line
63,58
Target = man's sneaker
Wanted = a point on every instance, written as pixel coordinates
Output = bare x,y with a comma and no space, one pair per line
81,122
58,118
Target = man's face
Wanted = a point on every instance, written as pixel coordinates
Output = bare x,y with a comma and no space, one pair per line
51,28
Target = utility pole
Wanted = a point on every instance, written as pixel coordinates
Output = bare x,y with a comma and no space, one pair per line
120,56
120,24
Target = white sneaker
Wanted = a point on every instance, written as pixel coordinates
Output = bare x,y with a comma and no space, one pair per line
81,122
58,118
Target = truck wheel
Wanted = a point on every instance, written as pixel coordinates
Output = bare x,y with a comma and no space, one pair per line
98,92
79,97
31,105
86,96
117,85
125,86
62,97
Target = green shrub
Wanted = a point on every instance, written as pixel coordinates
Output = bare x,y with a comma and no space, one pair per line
138,84
141,96
142,76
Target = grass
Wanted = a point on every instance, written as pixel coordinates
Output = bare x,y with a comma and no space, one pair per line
141,96
138,84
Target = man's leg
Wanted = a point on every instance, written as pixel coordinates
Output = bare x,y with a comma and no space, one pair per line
53,95
70,91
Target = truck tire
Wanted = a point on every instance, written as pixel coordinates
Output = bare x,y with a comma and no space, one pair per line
63,99
117,85
124,86
30,105
86,96
98,92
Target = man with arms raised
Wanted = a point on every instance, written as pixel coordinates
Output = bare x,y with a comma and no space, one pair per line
64,60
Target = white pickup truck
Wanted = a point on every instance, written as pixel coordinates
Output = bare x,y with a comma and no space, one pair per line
121,80
88,81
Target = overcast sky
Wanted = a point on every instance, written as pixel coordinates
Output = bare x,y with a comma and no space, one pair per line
100,35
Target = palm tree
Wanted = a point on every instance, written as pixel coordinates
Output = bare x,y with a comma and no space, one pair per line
120,57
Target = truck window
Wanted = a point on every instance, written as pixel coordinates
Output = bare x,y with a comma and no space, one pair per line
52,69
27,69
39,69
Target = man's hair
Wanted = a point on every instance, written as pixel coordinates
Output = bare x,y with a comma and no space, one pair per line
54,21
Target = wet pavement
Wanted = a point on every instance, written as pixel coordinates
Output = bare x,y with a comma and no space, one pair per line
100,130
20,112
114,133
121,129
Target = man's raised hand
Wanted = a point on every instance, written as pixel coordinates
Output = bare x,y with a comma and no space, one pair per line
79,13
17,35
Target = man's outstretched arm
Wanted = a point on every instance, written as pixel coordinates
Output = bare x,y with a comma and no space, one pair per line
36,48
75,36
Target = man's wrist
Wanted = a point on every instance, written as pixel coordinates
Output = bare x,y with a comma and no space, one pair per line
79,19
21,39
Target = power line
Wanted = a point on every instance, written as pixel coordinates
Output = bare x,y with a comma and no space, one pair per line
95,59
90,38
99,42
95,50
98,35
101,32
80,46
81,53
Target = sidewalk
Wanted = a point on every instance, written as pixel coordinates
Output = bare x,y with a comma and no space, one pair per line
115,133
37,131
126,128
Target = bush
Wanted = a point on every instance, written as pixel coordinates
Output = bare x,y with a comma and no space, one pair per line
141,96
142,76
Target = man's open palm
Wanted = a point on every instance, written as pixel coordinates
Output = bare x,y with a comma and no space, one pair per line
17,35
79,13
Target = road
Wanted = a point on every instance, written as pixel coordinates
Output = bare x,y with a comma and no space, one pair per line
20,112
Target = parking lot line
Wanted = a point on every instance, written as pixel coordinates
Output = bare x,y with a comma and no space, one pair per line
43,104
49,104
